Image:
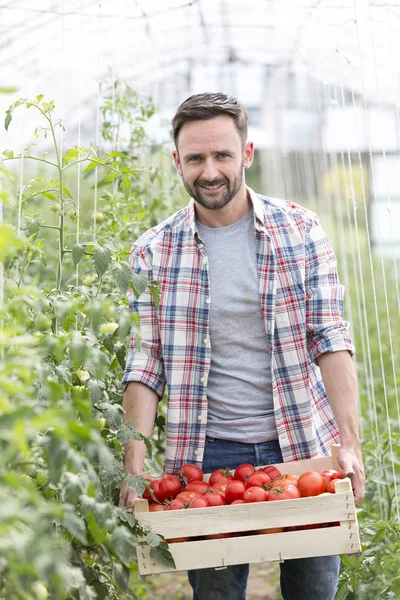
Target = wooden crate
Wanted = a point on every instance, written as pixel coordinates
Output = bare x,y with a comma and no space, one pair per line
242,520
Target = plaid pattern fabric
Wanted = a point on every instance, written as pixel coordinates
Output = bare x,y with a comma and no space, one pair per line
302,308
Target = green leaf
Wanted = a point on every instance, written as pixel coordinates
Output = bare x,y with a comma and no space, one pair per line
122,540
71,154
126,186
162,555
124,515
137,483
114,415
153,539
102,259
94,390
120,353
112,176
74,525
124,277
66,191
93,165
155,294
57,455
139,283
78,250
8,120
121,575
8,90
98,532
108,343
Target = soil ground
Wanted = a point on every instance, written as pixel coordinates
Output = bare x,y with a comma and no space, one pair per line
263,584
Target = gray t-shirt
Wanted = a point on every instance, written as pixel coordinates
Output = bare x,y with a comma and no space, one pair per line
239,389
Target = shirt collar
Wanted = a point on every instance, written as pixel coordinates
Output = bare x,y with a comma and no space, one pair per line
189,216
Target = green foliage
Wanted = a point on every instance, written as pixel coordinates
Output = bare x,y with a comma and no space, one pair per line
63,341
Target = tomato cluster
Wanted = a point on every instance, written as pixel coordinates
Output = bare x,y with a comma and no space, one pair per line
244,485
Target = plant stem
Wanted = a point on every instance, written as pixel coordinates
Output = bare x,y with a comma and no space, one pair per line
61,218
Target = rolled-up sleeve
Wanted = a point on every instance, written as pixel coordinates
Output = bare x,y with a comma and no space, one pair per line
144,361
327,331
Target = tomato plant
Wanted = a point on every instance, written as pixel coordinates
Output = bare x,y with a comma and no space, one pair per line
311,484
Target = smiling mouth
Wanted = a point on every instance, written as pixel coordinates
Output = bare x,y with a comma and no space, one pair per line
212,188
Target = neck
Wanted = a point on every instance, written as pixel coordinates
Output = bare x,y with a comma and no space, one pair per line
237,208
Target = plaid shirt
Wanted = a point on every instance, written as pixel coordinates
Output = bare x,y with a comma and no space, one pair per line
301,303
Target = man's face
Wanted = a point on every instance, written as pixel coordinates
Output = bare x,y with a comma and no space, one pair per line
210,158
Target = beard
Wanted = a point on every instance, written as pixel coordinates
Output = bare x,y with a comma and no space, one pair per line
218,199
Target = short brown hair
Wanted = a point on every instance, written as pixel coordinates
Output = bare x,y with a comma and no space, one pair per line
202,107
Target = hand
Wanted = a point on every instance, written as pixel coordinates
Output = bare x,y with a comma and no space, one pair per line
350,462
127,495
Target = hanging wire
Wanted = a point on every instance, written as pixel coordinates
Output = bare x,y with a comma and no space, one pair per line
389,208
385,395
78,181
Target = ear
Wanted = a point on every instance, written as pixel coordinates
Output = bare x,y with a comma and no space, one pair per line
248,154
177,161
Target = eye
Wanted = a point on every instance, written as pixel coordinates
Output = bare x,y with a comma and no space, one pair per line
223,155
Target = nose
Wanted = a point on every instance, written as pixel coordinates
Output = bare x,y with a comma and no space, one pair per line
210,171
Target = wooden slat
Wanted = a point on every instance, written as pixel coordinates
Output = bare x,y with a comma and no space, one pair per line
247,517
255,548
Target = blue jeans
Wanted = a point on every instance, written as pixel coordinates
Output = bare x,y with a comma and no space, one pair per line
301,579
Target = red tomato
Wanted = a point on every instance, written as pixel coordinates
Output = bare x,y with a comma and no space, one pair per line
284,492
170,486
157,507
255,494
243,471
281,483
186,496
258,478
311,484
272,471
198,502
155,487
220,487
238,502
234,490
330,474
189,472
331,486
177,505
215,498
220,474
289,477
201,487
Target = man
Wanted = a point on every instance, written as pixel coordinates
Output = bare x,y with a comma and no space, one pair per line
249,334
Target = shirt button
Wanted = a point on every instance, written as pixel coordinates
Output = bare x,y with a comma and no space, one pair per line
206,340
196,452
203,379
200,417
208,300
205,261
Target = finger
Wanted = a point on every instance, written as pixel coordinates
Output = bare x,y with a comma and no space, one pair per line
349,473
123,494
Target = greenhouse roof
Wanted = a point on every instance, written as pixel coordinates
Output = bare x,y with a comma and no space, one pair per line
169,47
